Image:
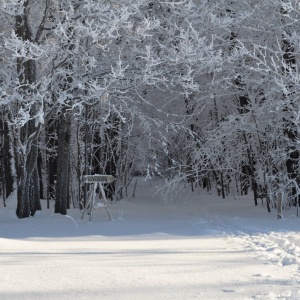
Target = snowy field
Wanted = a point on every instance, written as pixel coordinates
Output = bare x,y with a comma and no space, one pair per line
198,246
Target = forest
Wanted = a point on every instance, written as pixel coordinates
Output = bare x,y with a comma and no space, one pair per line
204,92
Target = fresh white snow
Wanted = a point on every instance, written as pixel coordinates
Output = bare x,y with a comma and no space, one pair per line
198,246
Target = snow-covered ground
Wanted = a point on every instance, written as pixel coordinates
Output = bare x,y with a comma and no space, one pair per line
198,246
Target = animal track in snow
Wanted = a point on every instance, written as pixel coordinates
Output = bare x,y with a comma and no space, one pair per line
278,248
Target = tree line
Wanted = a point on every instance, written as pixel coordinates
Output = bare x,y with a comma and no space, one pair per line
205,92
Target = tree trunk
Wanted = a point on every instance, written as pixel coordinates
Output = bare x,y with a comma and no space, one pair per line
35,199
51,160
6,167
111,152
279,205
63,164
292,162
26,142
2,170
26,185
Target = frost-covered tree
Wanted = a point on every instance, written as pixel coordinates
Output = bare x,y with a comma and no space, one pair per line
53,53
187,90
64,57
256,129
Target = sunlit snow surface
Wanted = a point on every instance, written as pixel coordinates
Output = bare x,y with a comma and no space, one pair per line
197,246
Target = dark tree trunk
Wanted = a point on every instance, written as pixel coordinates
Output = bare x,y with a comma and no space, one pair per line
62,201
35,199
26,186
6,172
39,174
63,164
292,162
28,136
2,168
190,107
51,161
111,152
